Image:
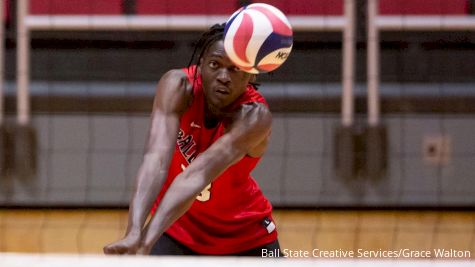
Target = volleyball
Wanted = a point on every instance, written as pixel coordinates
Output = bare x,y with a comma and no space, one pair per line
258,38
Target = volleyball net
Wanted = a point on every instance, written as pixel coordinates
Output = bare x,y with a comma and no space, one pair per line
398,136
42,260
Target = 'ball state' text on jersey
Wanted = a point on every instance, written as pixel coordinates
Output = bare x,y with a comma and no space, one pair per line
187,146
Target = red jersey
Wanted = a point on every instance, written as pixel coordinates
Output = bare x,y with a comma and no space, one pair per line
231,214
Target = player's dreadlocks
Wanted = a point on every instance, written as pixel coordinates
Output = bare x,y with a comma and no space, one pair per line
207,39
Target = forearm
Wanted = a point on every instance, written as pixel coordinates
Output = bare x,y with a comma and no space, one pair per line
149,182
154,169
178,199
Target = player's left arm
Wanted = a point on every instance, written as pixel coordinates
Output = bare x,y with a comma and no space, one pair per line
249,130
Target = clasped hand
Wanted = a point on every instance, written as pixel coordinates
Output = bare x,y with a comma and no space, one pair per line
131,244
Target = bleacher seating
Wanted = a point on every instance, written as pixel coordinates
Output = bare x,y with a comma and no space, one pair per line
220,7
290,7
304,7
423,7
76,7
182,7
178,7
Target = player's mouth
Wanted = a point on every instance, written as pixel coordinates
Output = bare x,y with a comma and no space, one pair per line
222,91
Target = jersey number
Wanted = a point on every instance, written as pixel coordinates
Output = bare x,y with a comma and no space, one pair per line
205,195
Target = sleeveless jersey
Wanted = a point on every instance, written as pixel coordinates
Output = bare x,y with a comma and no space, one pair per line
231,214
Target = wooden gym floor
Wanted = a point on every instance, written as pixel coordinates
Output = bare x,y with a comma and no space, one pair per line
86,231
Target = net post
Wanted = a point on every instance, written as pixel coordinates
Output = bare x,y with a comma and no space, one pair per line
24,141
375,134
344,138
23,73
348,63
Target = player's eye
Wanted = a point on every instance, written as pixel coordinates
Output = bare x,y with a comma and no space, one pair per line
213,64
235,68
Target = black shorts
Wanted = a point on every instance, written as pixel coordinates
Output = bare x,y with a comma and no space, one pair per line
166,245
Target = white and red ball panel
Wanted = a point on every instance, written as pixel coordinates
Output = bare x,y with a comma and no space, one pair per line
258,38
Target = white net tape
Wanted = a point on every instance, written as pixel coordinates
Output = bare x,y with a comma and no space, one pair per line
56,260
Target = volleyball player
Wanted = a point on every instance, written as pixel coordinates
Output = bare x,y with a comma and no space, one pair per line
209,128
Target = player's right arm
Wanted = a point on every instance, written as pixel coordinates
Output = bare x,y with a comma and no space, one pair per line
171,100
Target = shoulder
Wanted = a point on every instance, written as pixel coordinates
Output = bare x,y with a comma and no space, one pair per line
174,74
173,92
175,80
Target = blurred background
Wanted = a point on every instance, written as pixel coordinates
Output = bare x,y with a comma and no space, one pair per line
373,134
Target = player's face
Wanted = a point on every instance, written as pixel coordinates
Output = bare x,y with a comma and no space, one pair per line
223,82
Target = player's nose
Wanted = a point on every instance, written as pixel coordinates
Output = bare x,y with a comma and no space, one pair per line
223,76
